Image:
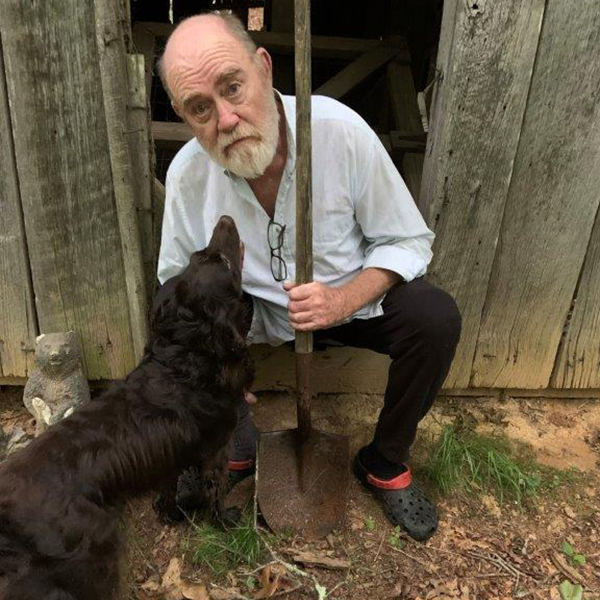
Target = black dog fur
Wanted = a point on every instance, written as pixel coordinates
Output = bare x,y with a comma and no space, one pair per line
60,497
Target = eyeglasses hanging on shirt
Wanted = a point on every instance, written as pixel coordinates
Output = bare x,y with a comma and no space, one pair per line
275,233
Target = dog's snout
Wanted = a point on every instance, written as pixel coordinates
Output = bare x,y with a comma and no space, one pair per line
226,220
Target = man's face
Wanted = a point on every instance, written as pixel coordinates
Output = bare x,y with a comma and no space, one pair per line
225,94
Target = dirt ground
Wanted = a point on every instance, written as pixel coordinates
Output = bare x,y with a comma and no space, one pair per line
482,550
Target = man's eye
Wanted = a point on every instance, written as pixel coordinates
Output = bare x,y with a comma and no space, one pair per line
233,89
200,110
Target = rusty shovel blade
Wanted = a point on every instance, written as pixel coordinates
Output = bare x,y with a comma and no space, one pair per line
303,481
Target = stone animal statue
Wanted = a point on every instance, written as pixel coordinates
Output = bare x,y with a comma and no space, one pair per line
57,384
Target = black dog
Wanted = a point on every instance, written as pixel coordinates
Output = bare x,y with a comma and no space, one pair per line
60,496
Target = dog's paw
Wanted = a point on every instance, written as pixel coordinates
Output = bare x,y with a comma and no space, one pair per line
167,510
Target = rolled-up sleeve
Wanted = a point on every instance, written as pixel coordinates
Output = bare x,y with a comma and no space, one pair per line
177,241
398,238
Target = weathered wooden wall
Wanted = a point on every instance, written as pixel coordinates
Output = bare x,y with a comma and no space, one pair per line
17,315
510,185
64,185
511,180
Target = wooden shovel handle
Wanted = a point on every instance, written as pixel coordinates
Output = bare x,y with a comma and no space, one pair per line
304,259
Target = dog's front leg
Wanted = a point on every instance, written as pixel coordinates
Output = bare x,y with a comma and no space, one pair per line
165,504
216,487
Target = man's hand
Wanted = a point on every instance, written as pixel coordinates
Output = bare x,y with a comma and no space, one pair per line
315,306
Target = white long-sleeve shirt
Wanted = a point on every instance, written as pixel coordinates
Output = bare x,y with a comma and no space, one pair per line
363,215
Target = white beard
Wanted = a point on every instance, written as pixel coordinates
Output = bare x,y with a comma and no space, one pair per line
249,159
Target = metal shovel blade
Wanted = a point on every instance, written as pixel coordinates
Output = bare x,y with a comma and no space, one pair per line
303,482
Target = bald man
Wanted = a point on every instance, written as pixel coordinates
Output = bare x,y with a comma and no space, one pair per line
371,246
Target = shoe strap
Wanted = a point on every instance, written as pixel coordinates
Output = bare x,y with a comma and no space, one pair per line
397,483
240,465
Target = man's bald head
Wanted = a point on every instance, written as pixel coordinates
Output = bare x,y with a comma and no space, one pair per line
194,34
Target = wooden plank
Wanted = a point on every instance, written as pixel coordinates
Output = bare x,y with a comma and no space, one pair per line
494,47
283,43
144,42
579,352
334,371
18,327
140,143
115,88
443,84
158,210
171,132
406,116
356,72
550,210
60,146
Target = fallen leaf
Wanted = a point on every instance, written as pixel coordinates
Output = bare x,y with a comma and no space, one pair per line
174,588
151,585
194,591
268,584
171,581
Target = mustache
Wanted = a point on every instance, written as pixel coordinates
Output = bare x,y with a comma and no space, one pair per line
244,131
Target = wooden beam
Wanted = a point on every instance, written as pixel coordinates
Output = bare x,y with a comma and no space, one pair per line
18,322
283,43
65,181
472,169
140,144
171,132
406,116
356,72
548,218
115,88
144,42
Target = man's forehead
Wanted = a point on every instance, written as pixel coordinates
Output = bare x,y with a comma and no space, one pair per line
198,36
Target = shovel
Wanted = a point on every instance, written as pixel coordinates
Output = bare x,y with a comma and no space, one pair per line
302,474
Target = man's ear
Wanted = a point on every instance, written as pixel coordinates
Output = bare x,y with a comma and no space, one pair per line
265,62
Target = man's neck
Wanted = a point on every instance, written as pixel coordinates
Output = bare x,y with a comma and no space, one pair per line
266,186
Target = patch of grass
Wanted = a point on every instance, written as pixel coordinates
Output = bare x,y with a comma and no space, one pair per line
370,523
464,461
221,550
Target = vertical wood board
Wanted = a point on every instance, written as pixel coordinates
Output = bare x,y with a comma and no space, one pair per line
406,115
552,203
494,47
17,319
111,36
61,151
578,361
139,146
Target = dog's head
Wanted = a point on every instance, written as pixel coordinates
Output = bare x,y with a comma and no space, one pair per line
202,307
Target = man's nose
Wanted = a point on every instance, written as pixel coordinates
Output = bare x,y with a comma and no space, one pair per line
228,119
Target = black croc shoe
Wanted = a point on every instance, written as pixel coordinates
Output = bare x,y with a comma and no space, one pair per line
404,503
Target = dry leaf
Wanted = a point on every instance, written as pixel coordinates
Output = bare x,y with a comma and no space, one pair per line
151,585
268,583
171,581
174,588
194,591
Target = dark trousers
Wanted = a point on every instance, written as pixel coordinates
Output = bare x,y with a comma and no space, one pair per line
419,331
